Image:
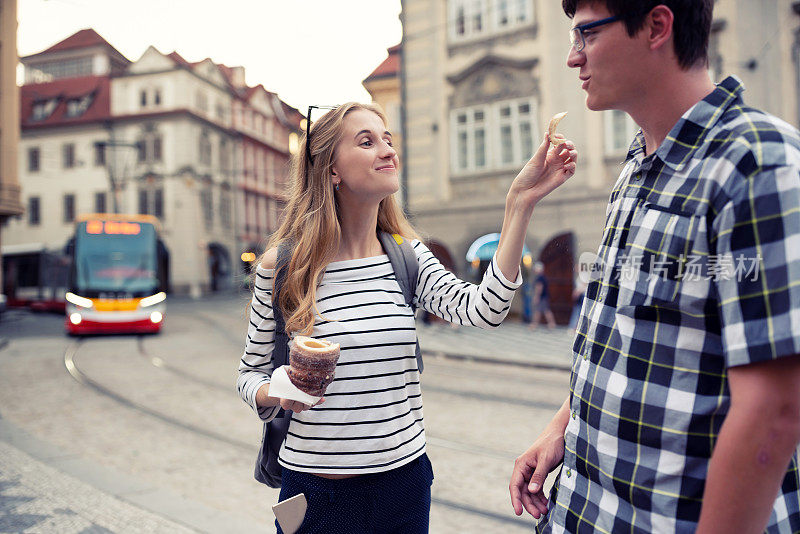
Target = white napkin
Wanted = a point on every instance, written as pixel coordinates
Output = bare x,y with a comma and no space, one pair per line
280,386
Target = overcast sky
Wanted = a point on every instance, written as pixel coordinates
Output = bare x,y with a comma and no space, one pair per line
307,51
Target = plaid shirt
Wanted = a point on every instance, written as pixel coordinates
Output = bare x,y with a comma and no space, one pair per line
698,271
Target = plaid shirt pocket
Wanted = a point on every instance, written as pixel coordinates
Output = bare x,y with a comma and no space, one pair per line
653,263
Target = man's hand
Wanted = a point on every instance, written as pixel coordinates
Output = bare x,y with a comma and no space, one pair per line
533,466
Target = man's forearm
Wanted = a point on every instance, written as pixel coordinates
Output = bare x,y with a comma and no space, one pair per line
747,467
560,419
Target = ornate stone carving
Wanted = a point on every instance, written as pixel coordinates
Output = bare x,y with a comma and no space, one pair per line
493,78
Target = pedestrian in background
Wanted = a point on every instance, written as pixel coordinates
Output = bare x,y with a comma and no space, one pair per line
359,457
684,412
541,298
578,292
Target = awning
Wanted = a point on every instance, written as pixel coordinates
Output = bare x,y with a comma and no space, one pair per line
485,246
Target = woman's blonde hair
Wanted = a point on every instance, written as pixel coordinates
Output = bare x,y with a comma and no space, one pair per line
311,218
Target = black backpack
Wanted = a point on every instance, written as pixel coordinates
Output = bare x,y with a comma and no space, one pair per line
404,262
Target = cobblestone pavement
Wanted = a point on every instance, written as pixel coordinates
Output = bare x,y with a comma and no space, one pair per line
35,497
73,459
512,342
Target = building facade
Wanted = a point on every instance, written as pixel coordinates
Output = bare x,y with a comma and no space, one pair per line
480,80
10,202
159,136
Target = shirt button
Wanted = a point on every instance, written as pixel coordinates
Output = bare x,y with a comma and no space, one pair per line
569,472
574,415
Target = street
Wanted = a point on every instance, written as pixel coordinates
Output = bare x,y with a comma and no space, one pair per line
153,425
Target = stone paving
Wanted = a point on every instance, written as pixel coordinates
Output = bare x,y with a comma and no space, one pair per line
41,491
512,342
35,497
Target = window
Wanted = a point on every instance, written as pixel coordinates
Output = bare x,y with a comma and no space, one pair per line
144,201
69,208
66,68
43,109
493,137
201,101
619,132
470,128
100,202
99,154
474,18
158,203
34,159
156,144
204,147
143,98
207,206
157,97
33,211
224,156
225,207
78,106
151,201
149,146
68,155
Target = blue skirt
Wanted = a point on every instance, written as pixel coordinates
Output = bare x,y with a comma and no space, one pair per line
395,501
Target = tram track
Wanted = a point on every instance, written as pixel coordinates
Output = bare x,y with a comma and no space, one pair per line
71,363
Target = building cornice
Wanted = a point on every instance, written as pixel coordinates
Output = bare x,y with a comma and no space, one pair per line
420,210
529,31
491,59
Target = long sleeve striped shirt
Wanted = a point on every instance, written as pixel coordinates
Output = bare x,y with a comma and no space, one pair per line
372,417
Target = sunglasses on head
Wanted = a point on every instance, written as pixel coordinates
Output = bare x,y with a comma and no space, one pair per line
308,131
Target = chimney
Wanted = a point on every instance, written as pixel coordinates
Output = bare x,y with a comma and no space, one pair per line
237,77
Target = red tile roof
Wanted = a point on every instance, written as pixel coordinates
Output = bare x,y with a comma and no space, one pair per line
63,90
82,39
389,67
177,58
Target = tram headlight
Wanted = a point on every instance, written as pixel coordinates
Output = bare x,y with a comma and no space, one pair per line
75,318
83,302
152,299
156,317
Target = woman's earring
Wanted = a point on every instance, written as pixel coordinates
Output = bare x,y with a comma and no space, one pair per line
337,186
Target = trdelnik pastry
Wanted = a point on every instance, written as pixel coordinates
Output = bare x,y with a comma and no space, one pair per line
312,364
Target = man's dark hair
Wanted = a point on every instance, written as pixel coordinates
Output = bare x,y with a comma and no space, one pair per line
691,26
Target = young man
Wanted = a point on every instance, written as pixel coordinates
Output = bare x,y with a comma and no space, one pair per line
684,411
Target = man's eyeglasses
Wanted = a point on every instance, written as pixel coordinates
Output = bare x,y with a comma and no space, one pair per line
576,37
308,132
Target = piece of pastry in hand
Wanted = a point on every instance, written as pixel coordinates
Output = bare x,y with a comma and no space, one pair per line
312,363
556,139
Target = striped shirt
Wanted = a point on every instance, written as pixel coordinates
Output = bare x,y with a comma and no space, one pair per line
372,418
697,272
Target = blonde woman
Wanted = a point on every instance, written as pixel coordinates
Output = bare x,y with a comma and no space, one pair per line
359,457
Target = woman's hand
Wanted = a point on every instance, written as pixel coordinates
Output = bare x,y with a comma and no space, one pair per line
551,165
297,406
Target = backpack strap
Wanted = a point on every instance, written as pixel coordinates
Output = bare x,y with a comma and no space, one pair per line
280,351
268,469
404,262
